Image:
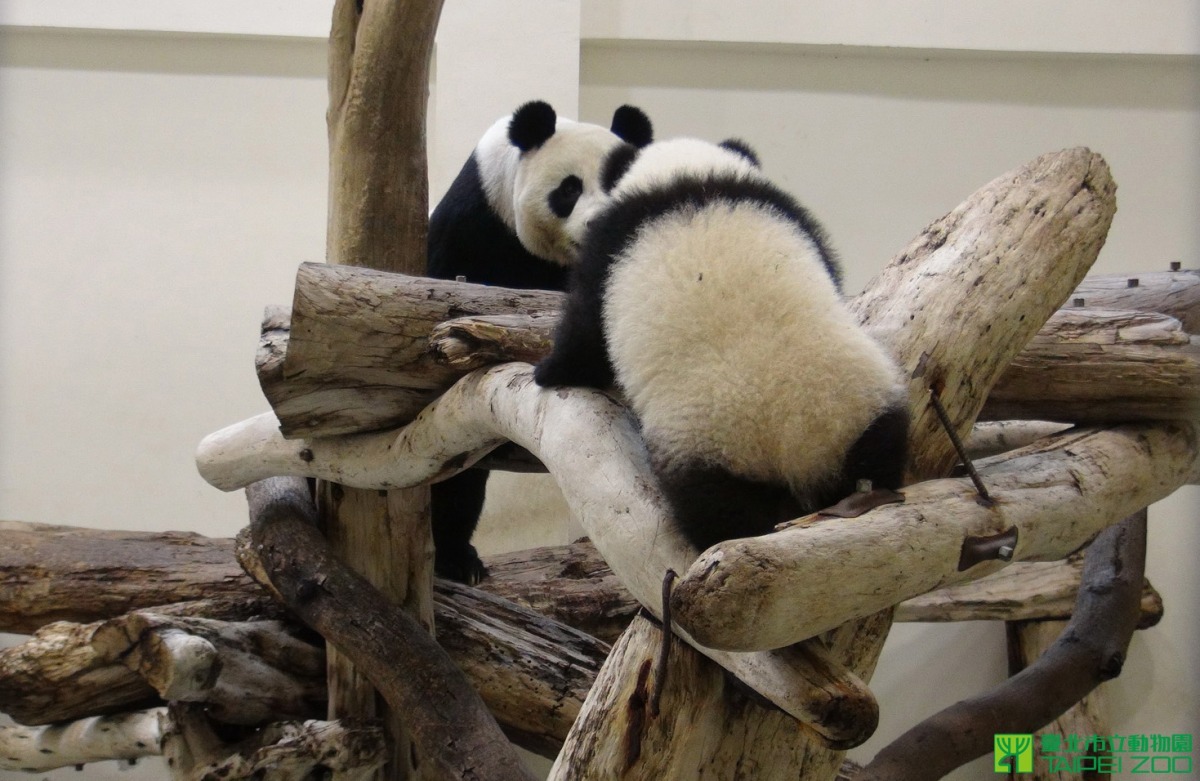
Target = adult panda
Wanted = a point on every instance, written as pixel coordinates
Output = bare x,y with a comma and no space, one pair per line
713,301
513,217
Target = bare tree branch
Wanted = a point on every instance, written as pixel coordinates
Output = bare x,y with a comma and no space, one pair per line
1091,650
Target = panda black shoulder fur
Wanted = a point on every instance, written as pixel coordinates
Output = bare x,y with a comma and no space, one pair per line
513,217
712,300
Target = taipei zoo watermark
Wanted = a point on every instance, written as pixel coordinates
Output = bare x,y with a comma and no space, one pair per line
1159,755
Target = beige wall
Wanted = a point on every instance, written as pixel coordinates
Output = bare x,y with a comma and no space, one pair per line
156,190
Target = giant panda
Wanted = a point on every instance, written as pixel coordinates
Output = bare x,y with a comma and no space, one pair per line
713,301
513,217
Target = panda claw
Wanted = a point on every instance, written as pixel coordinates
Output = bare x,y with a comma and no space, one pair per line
462,566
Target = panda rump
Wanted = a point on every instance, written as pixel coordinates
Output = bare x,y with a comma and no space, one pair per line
711,299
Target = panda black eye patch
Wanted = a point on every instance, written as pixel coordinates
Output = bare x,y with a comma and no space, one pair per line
563,198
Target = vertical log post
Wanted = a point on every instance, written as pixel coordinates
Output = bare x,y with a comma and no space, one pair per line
378,218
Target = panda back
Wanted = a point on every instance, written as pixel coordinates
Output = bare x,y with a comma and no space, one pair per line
730,339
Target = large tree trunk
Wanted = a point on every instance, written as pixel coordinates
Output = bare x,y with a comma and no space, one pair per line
378,207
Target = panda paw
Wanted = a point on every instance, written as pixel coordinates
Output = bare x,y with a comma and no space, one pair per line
462,565
553,371
549,373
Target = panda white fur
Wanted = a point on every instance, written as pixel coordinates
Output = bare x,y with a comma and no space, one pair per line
712,300
513,217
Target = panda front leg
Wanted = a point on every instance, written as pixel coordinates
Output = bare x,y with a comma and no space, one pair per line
710,504
579,357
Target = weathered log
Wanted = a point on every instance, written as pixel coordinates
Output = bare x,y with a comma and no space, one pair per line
1027,641
127,736
1091,650
570,584
357,357
1023,592
1048,500
62,669
1099,365
991,438
245,673
590,443
468,343
705,726
1173,293
380,374
379,66
533,673
101,574
283,751
453,735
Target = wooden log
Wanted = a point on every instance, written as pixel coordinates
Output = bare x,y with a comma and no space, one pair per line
1173,293
283,751
61,673
453,735
467,343
1091,650
570,584
591,444
533,673
245,673
1048,500
357,355
991,438
705,726
453,327
378,75
101,574
127,736
1027,642
1091,366
1023,592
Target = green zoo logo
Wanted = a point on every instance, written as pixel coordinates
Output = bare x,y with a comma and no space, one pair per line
1013,754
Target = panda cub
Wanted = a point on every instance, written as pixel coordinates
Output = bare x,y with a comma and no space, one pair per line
514,217
713,301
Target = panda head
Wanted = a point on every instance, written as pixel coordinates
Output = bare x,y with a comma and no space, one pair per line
541,173
666,162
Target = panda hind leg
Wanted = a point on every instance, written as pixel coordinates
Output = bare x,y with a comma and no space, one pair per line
881,452
879,456
710,504
455,505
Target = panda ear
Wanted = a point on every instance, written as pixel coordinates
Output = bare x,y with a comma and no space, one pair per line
631,124
531,125
742,148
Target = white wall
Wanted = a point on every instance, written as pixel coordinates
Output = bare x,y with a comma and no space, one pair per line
156,190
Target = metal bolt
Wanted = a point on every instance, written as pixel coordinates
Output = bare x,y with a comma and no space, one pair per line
1131,282
1078,302
1176,265
1005,553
